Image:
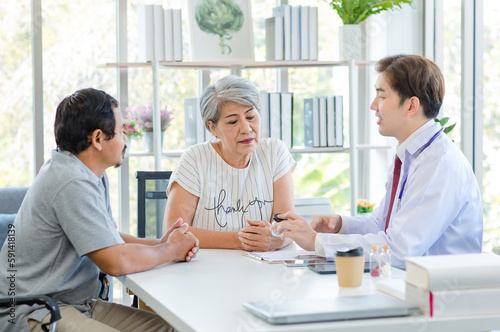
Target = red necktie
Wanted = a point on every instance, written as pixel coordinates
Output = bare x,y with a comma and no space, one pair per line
395,182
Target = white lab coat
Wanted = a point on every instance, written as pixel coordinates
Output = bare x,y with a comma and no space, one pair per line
440,211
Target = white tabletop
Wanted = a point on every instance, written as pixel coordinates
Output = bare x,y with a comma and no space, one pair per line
207,295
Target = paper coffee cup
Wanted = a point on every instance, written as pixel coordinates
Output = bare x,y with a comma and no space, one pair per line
350,266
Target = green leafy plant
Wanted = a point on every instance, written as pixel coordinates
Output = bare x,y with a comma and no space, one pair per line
356,11
221,18
443,123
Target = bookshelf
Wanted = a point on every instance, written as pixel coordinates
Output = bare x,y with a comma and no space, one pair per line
204,68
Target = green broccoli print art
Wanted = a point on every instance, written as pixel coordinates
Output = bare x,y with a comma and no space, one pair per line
219,17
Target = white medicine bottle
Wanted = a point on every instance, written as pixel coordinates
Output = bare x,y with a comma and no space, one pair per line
385,261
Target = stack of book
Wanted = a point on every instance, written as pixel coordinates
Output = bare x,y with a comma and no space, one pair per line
454,285
323,121
159,33
276,111
292,33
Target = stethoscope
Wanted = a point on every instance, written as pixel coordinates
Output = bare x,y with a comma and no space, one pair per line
409,158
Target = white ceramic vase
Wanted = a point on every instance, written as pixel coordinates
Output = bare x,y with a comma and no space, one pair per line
350,42
150,141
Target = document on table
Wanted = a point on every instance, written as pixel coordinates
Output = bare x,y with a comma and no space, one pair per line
280,256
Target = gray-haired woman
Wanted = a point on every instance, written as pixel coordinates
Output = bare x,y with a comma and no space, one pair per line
228,189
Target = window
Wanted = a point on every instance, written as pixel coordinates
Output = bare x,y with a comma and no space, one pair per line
491,139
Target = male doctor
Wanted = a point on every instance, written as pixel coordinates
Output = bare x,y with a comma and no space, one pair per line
432,205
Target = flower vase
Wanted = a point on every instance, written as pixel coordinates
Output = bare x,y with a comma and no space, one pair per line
350,42
150,141
128,144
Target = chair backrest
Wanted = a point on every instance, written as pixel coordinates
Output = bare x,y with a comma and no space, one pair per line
151,202
11,199
10,202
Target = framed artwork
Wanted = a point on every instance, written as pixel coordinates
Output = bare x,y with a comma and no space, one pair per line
221,30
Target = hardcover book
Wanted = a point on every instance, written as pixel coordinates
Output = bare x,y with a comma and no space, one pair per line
177,27
339,120
145,24
286,118
275,114
168,22
454,302
264,114
159,33
308,123
442,272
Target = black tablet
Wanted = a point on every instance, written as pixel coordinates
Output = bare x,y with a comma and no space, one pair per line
331,268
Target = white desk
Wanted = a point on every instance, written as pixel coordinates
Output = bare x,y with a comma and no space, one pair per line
206,295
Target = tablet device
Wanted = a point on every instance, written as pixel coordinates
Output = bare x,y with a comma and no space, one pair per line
330,309
304,262
331,268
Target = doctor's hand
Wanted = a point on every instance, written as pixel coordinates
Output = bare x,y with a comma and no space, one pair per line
296,228
257,237
184,245
327,224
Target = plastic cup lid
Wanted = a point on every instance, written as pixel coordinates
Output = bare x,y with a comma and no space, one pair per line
347,252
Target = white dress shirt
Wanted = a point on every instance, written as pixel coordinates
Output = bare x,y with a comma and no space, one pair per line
440,210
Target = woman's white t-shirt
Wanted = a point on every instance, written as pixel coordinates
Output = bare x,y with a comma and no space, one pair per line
228,196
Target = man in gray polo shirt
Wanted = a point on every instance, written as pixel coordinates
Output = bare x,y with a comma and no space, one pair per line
64,232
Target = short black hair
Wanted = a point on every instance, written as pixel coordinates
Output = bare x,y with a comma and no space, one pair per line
79,115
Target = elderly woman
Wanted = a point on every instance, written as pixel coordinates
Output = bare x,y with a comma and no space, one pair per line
229,188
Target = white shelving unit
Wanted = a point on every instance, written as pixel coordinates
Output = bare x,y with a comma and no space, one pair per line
236,68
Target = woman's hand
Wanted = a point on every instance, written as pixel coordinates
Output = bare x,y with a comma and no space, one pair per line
257,237
296,228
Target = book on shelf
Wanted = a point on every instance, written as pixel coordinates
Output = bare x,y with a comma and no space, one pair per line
322,122
169,34
145,25
339,120
194,129
264,114
295,33
275,115
308,123
274,38
304,33
286,118
315,121
177,28
330,120
159,32
445,272
454,302
285,11
313,33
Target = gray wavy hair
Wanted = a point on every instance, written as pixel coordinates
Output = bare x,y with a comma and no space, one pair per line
230,88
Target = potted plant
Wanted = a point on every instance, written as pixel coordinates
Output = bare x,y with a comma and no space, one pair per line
443,123
363,206
143,117
352,13
131,130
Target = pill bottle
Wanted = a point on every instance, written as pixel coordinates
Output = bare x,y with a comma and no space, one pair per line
276,220
374,262
385,262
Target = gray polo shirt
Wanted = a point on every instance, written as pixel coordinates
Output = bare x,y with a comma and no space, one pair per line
65,215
